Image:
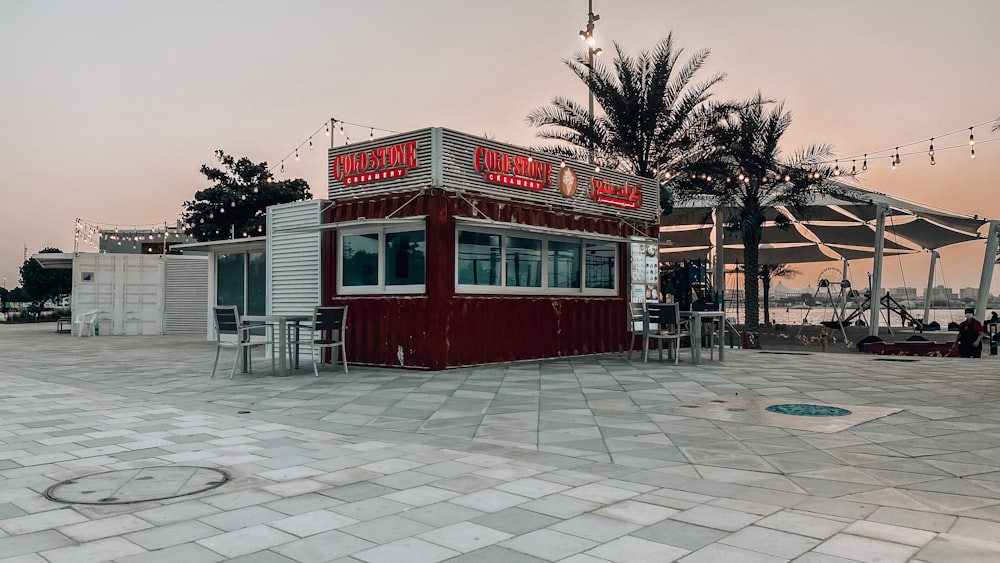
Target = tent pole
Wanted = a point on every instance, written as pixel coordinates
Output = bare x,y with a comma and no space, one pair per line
930,287
720,260
989,261
876,290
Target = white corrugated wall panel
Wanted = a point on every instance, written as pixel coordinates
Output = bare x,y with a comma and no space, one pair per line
186,293
294,257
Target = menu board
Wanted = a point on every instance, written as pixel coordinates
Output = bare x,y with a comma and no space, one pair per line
644,269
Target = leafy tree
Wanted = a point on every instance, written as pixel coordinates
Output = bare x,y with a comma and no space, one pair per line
654,114
749,175
236,202
770,272
42,284
18,295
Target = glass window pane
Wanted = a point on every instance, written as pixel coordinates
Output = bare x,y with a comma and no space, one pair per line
478,258
229,280
524,262
564,264
256,283
404,258
600,265
360,259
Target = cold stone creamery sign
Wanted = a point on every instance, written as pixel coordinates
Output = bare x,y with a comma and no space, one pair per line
524,172
512,170
627,195
380,163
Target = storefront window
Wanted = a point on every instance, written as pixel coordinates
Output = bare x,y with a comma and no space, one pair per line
478,258
230,276
382,259
360,254
404,258
524,262
564,264
529,264
600,265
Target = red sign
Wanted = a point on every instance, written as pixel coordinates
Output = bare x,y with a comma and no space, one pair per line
513,170
628,196
380,163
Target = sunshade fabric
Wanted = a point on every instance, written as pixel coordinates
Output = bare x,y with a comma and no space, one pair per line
843,224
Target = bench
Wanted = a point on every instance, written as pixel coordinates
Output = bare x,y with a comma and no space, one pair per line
64,325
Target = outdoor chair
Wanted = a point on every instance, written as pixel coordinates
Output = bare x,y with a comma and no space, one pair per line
327,330
663,323
227,323
635,323
85,322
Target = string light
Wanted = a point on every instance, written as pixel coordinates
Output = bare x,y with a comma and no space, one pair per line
836,169
864,165
972,138
371,134
930,152
296,155
854,167
310,143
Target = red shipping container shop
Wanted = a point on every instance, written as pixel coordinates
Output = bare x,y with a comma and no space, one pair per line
454,250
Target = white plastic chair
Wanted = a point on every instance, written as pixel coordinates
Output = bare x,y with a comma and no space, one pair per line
86,321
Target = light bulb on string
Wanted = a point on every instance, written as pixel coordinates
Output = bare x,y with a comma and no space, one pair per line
854,167
328,129
836,168
930,152
296,155
972,138
310,143
972,154
233,204
244,197
896,160
371,134
864,164
282,166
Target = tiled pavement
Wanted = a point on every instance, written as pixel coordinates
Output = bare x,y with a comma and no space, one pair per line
584,460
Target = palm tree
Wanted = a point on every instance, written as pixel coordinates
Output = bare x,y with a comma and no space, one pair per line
654,115
749,176
769,272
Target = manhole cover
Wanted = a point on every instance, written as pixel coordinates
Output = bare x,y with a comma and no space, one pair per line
799,409
137,485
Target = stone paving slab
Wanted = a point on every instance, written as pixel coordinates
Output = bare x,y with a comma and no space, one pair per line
581,459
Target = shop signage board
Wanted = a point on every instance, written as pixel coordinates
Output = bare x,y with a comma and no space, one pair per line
644,270
465,163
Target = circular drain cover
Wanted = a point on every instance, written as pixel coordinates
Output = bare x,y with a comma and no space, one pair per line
799,409
137,485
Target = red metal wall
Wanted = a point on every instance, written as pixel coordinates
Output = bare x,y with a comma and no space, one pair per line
443,329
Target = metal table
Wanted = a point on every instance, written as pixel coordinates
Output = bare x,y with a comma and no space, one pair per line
282,323
696,317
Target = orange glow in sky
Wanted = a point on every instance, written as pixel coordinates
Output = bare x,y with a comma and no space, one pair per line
109,108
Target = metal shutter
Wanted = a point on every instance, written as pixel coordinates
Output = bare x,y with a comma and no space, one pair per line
294,257
186,294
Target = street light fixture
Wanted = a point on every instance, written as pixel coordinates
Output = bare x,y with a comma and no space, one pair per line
587,35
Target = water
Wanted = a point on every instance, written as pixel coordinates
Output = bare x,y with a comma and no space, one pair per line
793,316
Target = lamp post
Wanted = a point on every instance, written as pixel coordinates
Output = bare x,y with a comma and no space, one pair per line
592,51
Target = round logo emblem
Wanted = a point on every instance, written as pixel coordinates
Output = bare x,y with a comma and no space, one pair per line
567,181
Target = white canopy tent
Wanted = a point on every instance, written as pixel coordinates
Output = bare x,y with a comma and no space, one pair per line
854,224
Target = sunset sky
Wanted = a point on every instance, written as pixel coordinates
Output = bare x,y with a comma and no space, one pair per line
109,108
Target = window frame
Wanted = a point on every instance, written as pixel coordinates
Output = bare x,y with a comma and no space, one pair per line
503,289
380,229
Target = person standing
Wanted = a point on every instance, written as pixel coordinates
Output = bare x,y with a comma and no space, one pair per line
970,336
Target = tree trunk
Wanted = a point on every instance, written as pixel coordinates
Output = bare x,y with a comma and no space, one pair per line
765,282
751,289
